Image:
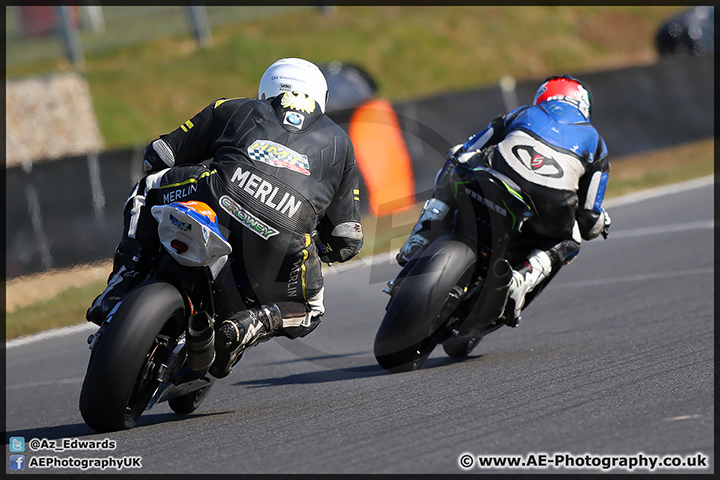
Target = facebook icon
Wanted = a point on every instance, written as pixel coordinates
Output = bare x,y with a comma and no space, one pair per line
17,462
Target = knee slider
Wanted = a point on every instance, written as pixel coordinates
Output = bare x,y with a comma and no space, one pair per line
299,331
297,320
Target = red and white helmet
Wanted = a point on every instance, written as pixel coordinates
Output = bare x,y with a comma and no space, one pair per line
567,89
294,75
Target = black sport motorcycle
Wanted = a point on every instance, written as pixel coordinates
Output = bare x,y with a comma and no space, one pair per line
454,291
158,343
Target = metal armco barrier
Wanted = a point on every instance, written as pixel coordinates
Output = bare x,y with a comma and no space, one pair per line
69,211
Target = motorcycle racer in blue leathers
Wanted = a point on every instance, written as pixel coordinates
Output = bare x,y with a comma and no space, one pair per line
554,154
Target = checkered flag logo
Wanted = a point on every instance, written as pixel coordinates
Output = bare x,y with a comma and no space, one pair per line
259,155
278,155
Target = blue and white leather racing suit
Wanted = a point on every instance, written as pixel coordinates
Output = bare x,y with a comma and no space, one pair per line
556,156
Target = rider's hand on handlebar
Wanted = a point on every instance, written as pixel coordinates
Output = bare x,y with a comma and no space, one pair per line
606,228
450,155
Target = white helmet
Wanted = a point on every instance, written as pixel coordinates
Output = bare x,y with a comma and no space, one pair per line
294,75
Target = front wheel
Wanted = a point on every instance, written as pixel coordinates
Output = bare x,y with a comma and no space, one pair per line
123,371
411,329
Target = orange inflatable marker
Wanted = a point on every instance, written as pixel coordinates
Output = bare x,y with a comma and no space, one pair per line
382,157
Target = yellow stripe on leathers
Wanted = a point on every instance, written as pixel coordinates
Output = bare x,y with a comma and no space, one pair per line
303,268
220,102
189,180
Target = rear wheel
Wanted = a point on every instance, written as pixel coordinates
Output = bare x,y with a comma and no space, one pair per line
189,402
461,347
123,371
411,329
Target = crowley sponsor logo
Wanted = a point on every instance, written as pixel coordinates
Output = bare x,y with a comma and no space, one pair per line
266,192
279,156
247,219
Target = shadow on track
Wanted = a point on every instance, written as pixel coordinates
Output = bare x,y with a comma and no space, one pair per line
358,368
163,418
78,430
53,433
317,377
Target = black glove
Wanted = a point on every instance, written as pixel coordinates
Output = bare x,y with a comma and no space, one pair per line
154,161
450,156
606,228
337,243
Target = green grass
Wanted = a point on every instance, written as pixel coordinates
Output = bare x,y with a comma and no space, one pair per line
661,167
67,308
140,91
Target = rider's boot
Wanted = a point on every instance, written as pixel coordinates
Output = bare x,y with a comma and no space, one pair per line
241,331
426,229
536,269
129,269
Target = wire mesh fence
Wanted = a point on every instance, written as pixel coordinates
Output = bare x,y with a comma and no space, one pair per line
46,32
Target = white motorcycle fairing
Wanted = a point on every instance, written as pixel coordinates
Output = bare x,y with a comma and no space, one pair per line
190,233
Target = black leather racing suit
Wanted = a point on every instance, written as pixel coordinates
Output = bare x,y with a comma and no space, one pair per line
275,172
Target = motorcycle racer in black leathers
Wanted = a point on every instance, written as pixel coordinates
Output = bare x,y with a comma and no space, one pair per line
283,181
554,154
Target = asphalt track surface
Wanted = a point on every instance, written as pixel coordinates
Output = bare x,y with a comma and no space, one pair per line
615,359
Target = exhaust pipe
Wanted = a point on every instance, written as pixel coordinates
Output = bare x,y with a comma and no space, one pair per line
201,343
491,303
499,285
